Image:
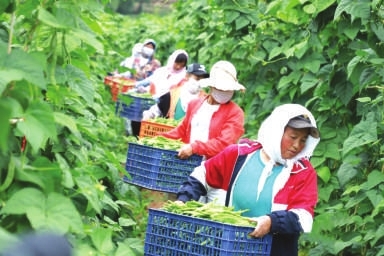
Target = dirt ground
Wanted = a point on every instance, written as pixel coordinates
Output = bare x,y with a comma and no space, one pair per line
156,199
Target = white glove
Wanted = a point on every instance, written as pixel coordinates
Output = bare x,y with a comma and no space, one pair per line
147,115
151,113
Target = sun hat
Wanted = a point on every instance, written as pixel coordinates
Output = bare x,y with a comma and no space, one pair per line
223,76
198,70
302,121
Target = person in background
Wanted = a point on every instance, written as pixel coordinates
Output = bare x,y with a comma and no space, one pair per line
148,51
167,76
271,177
133,63
142,63
213,122
162,80
173,104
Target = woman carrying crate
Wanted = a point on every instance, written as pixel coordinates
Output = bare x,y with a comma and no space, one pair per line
213,122
141,65
162,80
272,177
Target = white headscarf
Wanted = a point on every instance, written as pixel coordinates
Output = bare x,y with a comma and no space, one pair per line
171,60
272,129
166,77
270,134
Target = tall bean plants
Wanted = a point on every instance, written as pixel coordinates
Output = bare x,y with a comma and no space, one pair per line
327,55
62,148
60,139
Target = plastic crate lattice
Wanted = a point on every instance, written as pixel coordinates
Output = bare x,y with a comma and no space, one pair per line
158,169
133,110
118,84
174,234
151,129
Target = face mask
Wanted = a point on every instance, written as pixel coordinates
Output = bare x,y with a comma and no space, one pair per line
192,86
221,96
147,52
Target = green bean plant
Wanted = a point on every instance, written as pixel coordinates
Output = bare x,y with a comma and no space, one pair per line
62,147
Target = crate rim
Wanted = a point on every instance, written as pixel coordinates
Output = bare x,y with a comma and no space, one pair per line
163,149
146,146
152,121
137,96
208,220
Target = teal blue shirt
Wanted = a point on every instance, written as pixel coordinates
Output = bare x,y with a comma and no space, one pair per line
179,112
246,187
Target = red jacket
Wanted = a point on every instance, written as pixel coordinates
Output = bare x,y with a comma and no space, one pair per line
299,191
292,207
226,127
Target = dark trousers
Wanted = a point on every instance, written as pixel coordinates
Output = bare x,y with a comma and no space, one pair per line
135,128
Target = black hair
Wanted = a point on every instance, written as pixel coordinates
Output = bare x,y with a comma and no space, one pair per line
153,45
182,58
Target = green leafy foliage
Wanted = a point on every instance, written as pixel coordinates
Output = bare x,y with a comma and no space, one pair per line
38,125
51,212
325,55
62,148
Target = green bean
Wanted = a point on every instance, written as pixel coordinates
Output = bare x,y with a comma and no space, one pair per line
211,211
161,142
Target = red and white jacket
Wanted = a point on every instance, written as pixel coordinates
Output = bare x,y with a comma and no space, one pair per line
226,127
293,203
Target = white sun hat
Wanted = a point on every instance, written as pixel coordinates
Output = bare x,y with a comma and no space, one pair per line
223,76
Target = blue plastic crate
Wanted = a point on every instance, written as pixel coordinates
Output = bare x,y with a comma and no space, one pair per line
173,234
158,169
134,110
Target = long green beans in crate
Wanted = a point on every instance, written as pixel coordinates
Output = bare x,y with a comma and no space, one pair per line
156,166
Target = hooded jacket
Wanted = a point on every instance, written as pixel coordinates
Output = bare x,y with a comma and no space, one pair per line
294,193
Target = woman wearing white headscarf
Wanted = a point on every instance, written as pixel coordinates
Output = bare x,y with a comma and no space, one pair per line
272,177
162,80
170,75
